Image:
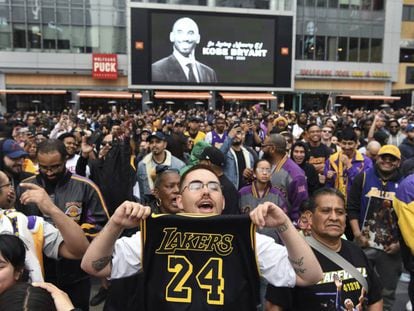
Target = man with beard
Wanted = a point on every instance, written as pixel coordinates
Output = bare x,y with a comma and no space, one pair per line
299,127
147,166
339,287
373,219
79,199
239,160
318,152
286,174
217,136
11,161
396,136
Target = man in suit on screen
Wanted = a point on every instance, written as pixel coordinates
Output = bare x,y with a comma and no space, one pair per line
181,65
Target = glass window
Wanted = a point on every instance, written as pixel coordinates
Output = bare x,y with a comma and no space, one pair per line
62,3
355,4
353,49
301,2
77,35
332,48
49,38
321,3
62,16
35,36
342,48
378,5
18,14
5,28
77,16
320,48
19,36
310,3
5,36
120,41
376,50
344,4
410,75
366,4
120,19
309,47
407,55
408,13
63,34
333,3
92,39
299,47
77,3
364,50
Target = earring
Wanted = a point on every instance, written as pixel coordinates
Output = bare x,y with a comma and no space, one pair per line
158,202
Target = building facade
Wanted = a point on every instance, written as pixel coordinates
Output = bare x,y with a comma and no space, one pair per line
342,48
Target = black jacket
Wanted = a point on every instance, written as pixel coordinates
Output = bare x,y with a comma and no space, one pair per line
114,175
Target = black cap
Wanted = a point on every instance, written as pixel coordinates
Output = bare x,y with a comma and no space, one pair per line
214,155
195,119
158,135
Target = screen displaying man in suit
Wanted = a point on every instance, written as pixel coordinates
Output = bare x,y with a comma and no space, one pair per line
181,65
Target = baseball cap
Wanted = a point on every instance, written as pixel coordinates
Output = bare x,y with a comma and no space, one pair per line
390,149
13,150
157,134
214,155
195,119
410,127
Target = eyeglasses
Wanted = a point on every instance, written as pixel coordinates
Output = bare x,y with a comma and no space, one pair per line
263,170
6,185
106,142
197,185
51,168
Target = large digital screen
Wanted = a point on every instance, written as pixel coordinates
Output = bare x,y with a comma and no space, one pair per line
188,49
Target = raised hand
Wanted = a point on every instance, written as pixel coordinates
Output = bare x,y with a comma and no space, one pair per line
37,195
270,215
129,214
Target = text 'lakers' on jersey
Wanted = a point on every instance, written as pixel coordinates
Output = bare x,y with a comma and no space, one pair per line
194,262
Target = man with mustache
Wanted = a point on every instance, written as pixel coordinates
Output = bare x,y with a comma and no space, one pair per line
227,244
339,287
79,199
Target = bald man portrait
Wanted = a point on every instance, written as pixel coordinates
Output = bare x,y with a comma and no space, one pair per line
181,65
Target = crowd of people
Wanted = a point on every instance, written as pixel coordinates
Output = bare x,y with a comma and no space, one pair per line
113,196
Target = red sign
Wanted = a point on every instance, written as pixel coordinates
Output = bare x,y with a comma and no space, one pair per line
105,66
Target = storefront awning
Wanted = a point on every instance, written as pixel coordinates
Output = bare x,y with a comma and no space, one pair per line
247,96
182,95
109,94
33,92
372,97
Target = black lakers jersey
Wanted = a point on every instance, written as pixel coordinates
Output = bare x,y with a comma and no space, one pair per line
194,262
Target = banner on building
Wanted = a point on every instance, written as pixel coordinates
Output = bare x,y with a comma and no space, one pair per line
105,66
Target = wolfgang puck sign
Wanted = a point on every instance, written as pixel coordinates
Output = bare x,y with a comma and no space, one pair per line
104,66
